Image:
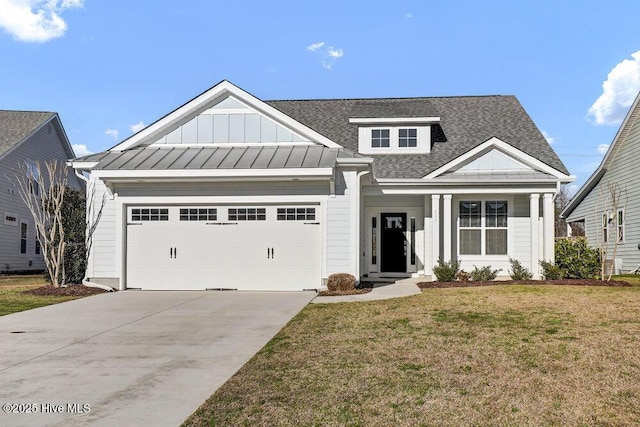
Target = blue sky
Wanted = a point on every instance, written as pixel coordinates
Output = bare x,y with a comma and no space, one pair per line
109,67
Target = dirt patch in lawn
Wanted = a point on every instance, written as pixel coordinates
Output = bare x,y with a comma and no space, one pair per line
68,291
564,282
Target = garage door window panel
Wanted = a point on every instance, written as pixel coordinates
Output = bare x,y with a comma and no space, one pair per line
296,214
247,214
150,214
198,214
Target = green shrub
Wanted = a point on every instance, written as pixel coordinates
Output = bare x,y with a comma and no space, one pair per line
576,259
518,271
446,271
341,282
550,271
484,274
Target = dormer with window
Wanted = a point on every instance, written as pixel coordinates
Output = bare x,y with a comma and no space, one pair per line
395,135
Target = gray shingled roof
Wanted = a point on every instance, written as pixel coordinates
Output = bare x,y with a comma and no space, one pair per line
17,125
253,157
466,121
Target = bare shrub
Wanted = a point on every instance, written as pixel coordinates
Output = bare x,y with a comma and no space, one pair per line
341,282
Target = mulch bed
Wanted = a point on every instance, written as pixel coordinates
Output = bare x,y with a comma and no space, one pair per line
68,291
564,282
339,293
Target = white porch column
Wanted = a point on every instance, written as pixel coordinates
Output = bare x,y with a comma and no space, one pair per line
446,227
569,231
435,228
534,214
549,226
428,261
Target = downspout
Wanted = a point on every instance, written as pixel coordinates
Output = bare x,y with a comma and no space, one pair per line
359,214
86,281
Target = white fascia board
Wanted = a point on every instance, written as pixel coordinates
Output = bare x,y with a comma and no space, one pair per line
372,191
509,149
359,161
393,120
220,90
490,181
84,166
214,173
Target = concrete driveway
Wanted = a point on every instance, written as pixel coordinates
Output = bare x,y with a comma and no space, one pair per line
132,358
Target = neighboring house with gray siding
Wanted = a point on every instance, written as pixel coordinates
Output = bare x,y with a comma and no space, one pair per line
32,137
232,192
592,205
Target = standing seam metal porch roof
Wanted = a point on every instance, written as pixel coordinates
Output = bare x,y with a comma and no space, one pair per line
219,157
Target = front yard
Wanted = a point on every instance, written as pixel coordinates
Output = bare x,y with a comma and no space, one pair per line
495,355
12,298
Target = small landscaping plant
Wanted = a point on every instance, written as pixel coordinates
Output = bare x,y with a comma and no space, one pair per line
550,271
341,282
518,271
484,274
446,271
463,276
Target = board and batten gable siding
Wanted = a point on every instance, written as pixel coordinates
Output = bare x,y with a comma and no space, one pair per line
44,145
622,171
339,225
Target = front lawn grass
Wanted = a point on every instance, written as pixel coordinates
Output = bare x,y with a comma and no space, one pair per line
12,298
496,355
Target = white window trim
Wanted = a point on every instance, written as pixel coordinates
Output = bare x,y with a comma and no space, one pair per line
26,239
609,224
416,138
380,138
618,225
11,223
483,228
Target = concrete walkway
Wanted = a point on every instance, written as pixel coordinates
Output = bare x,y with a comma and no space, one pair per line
133,358
401,288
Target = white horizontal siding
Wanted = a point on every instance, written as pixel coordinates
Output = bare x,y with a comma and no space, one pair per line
339,238
102,260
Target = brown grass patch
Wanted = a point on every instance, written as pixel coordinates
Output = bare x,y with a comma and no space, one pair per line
563,282
499,355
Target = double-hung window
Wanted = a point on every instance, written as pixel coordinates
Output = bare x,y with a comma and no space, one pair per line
613,226
483,227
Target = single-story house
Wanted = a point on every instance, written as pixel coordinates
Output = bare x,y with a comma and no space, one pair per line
232,192
611,223
27,138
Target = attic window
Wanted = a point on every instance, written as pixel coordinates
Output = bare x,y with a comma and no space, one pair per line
380,138
408,138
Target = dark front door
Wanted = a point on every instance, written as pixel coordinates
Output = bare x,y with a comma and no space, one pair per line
393,242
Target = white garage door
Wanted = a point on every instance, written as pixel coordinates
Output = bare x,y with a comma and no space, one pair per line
224,247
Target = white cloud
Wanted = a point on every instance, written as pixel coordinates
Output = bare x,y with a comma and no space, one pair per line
112,133
328,56
315,46
408,15
335,53
548,137
137,127
618,92
602,148
35,20
81,150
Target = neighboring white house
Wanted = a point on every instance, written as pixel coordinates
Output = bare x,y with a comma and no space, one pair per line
592,206
232,192
31,137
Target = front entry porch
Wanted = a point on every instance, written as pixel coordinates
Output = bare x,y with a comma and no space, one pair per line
405,235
